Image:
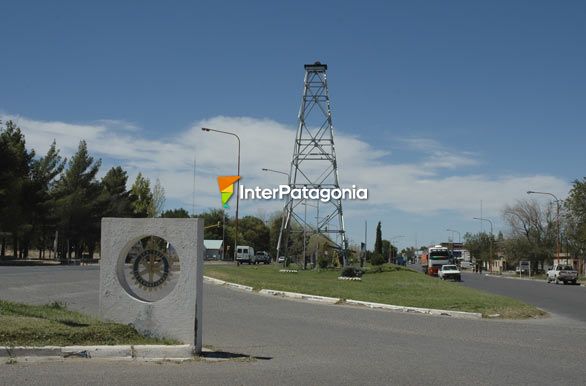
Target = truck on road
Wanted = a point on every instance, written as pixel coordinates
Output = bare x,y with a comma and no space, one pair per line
562,273
436,257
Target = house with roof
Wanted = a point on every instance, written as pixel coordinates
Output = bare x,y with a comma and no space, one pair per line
214,249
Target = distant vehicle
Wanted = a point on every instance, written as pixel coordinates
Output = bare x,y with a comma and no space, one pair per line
436,257
466,265
524,267
450,271
262,257
245,254
281,259
562,273
424,262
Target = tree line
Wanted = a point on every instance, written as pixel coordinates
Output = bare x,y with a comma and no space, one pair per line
55,205
535,230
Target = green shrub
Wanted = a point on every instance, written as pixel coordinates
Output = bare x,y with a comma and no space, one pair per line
322,262
377,259
388,268
352,272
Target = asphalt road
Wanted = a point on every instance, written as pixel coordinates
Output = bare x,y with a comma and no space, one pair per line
565,300
305,343
568,301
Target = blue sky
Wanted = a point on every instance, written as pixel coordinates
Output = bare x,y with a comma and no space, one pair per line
445,103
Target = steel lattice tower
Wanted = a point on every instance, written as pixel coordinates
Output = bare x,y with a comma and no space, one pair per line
314,166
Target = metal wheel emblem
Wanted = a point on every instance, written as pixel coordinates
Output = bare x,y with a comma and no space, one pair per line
151,269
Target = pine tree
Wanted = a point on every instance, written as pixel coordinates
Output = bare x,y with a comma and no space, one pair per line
378,243
44,174
115,197
15,210
77,194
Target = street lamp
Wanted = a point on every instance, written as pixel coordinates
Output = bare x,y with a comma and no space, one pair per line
277,257
274,171
238,182
490,250
557,201
391,241
459,236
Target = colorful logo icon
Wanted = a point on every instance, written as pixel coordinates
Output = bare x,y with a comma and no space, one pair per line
226,185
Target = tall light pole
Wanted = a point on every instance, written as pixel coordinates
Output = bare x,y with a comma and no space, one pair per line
557,201
391,241
455,231
287,174
238,182
490,245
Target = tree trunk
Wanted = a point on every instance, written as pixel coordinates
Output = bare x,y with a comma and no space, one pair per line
3,248
91,250
15,246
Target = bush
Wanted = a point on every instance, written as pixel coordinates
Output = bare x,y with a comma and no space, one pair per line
352,272
322,262
388,268
377,259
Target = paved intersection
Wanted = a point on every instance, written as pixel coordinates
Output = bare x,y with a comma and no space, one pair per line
303,343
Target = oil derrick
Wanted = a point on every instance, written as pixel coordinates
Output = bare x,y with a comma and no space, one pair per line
313,166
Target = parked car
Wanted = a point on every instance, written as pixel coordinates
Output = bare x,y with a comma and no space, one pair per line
449,271
562,273
262,257
245,254
281,259
524,267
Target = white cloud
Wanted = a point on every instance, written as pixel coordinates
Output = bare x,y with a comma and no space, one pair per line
416,188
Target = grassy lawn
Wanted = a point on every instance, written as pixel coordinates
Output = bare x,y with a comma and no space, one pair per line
400,287
53,325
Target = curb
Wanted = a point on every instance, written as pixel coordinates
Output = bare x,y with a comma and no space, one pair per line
162,352
417,310
295,295
118,353
328,300
213,281
107,352
219,282
239,286
511,277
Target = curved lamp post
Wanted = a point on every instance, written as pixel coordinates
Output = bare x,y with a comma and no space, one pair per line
238,182
557,201
491,235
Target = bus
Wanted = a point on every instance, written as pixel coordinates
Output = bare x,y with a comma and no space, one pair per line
438,256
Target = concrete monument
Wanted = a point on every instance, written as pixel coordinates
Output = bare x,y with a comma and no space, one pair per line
151,276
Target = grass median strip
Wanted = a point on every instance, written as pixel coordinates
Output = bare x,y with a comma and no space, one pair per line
402,287
54,325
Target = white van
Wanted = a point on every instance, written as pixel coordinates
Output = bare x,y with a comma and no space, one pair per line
245,254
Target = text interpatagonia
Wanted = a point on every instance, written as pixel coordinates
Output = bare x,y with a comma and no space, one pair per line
303,193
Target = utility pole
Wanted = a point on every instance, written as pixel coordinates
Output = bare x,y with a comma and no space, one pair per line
490,244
